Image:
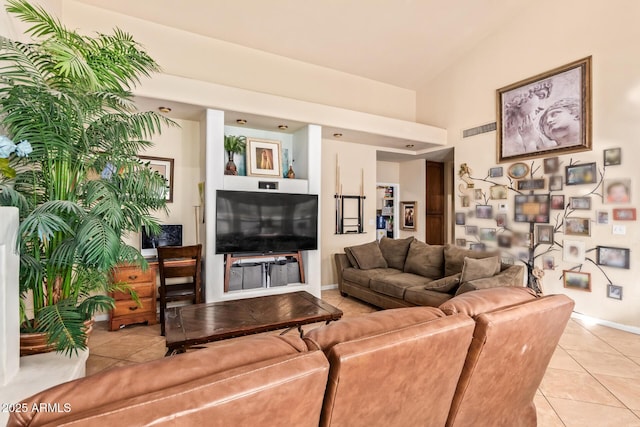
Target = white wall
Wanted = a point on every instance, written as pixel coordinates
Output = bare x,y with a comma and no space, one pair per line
413,188
388,172
546,36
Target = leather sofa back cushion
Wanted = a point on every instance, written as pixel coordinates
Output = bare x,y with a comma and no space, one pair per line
425,260
473,269
368,256
486,300
395,251
454,258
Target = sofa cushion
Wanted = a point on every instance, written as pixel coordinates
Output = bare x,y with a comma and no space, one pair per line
454,258
351,258
395,284
425,260
363,277
395,251
420,296
368,256
484,268
486,300
446,284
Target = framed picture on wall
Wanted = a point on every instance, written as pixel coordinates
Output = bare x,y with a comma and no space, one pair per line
547,114
614,291
263,157
408,211
164,166
613,257
577,280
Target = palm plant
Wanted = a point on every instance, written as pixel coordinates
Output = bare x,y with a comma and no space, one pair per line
233,144
74,176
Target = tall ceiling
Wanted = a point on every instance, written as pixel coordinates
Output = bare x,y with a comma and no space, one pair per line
404,43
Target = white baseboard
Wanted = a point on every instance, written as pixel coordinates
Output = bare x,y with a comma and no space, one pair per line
329,287
614,325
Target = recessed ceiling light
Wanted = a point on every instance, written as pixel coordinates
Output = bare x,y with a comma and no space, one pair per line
409,145
241,121
337,135
164,109
283,127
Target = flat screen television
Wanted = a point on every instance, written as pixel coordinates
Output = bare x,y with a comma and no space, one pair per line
251,222
170,235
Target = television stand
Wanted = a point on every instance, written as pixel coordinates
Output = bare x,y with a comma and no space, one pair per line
232,258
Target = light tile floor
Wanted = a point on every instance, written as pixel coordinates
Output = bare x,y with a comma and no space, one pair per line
593,378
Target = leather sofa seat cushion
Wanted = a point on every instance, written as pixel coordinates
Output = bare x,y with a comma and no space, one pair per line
368,256
487,300
418,295
363,277
395,251
353,328
425,260
395,285
483,268
454,258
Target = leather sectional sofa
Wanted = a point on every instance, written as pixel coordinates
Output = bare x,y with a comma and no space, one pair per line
406,272
476,360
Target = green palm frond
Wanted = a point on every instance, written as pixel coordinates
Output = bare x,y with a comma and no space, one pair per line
64,324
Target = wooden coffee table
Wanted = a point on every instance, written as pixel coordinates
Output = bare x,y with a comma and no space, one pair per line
195,324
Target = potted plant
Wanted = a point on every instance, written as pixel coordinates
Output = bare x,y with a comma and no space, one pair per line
70,139
233,145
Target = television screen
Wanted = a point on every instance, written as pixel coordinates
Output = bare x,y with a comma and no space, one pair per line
532,208
170,235
260,222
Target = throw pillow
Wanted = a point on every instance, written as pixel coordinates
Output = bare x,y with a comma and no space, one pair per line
446,284
395,251
479,268
368,256
425,260
351,258
454,258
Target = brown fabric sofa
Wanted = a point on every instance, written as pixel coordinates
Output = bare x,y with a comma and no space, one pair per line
406,272
477,360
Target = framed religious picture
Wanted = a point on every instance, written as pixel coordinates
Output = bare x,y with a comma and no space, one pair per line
547,114
263,157
163,166
409,217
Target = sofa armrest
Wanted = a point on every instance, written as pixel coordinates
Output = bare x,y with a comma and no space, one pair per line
342,262
510,276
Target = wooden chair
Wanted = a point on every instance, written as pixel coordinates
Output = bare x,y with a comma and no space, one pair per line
176,262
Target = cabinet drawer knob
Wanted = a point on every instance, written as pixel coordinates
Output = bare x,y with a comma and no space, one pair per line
133,308
133,277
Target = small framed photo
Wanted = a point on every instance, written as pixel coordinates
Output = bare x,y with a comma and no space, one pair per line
501,220
464,201
164,166
544,234
613,257
581,174
498,192
484,211
557,201
548,262
602,217
478,194
624,214
555,182
461,242
577,226
531,184
577,280
573,251
460,218
551,165
612,157
505,240
580,203
614,291
478,247
263,157
471,230
617,191
532,208
518,170
409,217
488,234
522,239
495,172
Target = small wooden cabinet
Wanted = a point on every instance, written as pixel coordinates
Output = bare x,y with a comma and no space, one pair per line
126,310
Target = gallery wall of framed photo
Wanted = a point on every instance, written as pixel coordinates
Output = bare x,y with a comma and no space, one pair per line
577,212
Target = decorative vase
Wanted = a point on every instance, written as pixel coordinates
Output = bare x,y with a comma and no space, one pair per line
291,174
37,342
230,168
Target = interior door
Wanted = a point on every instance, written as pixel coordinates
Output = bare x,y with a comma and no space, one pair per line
435,215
